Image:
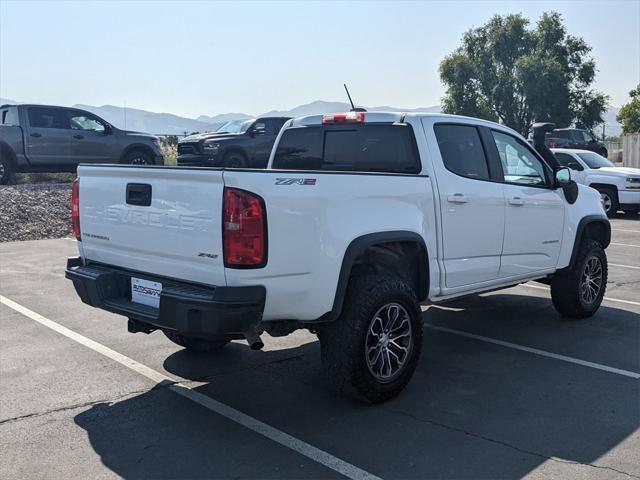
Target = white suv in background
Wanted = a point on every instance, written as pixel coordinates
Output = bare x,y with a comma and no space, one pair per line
618,186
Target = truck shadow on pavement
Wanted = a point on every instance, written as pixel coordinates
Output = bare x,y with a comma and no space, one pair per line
473,409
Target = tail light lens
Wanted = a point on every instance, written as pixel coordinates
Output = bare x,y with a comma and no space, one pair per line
244,229
75,208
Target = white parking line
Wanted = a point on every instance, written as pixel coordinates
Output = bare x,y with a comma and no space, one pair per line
625,266
624,245
535,351
278,436
608,299
624,230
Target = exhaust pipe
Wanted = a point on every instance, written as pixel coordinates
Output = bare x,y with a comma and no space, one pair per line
253,339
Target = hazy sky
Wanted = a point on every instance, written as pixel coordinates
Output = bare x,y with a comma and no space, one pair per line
194,58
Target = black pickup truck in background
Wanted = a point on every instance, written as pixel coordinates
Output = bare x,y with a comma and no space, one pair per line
239,143
576,139
43,138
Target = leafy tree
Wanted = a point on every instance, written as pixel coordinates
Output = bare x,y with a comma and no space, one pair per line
629,114
505,71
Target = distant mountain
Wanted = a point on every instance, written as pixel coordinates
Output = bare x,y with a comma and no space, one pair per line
223,118
319,106
150,122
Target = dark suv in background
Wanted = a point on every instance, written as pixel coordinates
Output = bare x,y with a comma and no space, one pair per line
239,143
576,139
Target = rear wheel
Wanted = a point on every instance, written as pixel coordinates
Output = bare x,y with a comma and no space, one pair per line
603,152
138,157
6,169
196,344
577,292
609,200
372,350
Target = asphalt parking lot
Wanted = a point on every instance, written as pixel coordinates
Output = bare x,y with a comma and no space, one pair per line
505,389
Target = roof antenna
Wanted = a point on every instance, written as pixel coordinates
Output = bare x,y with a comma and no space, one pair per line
353,107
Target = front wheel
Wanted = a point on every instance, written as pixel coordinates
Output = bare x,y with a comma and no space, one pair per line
235,160
372,350
196,344
609,198
138,157
577,292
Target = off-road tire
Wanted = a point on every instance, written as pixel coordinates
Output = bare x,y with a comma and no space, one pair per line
343,341
138,157
612,194
6,169
565,285
196,344
235,160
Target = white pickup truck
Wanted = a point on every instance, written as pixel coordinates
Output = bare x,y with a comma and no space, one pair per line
358,219
619,187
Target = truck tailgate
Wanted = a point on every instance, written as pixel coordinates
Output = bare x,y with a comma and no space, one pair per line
160,221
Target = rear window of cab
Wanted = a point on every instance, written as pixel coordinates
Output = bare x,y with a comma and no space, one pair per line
353,148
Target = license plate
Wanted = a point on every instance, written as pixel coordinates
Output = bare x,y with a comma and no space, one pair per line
145,292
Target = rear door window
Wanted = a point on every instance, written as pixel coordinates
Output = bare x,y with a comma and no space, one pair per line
360,148
43,117
462,151
9,116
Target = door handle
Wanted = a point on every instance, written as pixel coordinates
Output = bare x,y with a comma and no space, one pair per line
78,137
516,201
457,198
36,135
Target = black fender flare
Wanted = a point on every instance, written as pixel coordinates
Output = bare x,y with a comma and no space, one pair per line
582,225
358,246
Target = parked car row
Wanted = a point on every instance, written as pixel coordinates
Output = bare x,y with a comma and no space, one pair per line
42,138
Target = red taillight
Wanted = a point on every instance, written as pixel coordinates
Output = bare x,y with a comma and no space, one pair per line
552,145
75,208
244,229
336,118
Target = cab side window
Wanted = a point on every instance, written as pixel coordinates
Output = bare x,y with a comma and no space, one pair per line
567,160
519,164
43,117
461,150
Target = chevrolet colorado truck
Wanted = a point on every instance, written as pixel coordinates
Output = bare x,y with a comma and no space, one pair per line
619,187
42,138
358,219
238,143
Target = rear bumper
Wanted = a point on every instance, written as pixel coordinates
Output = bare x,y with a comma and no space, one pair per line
185,308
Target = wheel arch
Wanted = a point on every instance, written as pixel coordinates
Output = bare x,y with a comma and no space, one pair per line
599,185
138,147
6,148
593,227
380,251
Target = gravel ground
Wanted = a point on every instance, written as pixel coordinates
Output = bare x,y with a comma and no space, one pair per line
35,211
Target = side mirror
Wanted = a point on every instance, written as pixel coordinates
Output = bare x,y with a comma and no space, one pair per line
107,130
562,177
575,166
